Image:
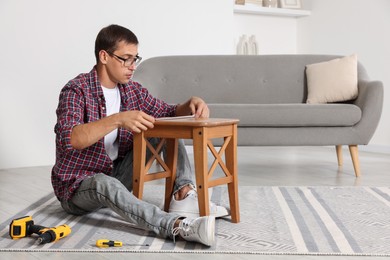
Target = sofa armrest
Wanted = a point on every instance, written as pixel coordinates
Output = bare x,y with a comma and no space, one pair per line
370,101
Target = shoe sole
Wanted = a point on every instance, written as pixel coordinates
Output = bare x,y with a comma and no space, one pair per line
210,227
196,214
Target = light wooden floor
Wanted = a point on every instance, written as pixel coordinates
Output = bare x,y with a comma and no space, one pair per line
267,166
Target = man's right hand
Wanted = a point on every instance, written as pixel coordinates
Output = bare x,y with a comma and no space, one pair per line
85,135
136,121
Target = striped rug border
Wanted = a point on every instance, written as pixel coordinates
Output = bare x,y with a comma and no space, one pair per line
323,214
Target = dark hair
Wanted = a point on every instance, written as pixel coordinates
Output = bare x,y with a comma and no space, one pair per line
108,38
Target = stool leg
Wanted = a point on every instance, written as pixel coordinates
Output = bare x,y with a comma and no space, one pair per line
201,169
171,161
139,164
231,164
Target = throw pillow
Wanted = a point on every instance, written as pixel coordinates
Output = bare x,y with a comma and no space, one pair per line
332,81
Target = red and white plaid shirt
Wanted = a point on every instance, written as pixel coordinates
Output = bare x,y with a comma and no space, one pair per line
82,101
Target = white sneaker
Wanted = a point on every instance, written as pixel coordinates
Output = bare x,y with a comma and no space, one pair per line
189,207
201,230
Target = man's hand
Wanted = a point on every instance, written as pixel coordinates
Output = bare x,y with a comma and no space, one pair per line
85,135
194,106
136,121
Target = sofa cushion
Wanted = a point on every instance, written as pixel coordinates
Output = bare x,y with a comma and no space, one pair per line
332,81
288,115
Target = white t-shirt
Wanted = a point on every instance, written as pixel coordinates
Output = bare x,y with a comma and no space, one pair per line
113,103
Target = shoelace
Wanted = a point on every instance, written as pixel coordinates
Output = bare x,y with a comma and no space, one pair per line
191,194
185,226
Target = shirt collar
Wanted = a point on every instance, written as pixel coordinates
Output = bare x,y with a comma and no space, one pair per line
95,83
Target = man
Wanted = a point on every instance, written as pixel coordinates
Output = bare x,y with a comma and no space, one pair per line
96,117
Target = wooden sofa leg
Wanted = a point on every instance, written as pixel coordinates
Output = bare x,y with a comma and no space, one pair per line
339,152
353,150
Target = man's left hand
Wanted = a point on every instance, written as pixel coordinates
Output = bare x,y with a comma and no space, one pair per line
194,106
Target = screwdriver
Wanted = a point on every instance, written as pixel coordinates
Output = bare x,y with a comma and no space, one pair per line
108,243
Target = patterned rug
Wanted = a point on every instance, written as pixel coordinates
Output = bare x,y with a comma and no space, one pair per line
274,221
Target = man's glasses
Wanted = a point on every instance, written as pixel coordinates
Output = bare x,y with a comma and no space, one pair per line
127,62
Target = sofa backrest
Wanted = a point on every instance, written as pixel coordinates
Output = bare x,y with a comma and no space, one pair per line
245,79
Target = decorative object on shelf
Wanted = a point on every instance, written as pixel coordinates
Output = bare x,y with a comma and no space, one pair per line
257,10
242,46
270,3
244,2
253,46
294,4
247,46
255,2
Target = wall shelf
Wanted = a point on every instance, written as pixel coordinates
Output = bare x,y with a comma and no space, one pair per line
259,10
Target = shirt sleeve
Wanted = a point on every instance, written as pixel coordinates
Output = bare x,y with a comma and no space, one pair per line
156,107
70,113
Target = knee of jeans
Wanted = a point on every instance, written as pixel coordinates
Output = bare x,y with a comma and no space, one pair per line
104,182
100,177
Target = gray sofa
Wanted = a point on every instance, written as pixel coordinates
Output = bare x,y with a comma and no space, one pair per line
268,94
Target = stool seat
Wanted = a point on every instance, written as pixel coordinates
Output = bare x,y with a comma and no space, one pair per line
202,131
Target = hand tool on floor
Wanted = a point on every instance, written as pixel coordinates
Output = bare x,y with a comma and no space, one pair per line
24,226
104,243
108,243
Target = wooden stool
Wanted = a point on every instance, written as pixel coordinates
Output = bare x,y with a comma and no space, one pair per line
201,131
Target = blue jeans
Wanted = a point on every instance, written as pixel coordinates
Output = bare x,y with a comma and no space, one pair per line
115,192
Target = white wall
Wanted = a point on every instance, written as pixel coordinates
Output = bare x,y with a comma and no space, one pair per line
353,26
45,43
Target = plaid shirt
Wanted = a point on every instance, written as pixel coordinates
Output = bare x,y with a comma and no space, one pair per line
82,101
